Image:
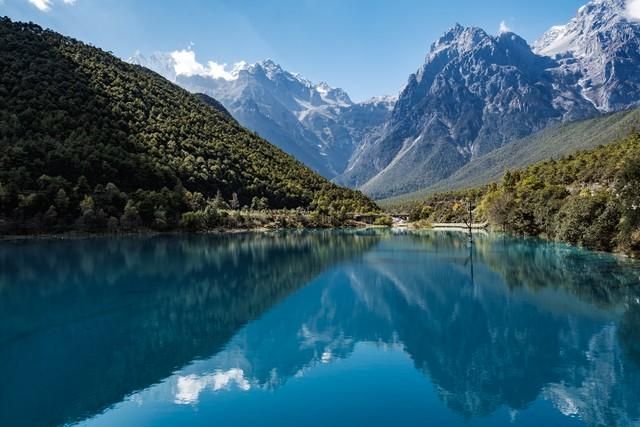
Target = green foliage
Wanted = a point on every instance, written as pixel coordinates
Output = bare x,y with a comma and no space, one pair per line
192,221
628,190
590,198
384,220
111,146
442,207
588,220
259,203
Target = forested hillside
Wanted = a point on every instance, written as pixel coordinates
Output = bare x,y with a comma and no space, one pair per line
88,141
591,198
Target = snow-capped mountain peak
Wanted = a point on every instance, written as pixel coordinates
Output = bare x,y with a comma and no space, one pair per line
323,88
458,38
317,123
595,17
332,96
600,45
633,10
551,41
474,93
271,68
160,62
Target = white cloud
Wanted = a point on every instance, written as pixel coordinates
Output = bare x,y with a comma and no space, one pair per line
504,28
189,388
186,64
43,5
633,10
218,71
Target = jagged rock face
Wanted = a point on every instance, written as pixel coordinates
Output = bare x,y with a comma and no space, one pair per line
343,129
317,124
601,45
474,94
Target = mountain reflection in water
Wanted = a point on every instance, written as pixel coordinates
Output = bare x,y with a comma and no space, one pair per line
313,327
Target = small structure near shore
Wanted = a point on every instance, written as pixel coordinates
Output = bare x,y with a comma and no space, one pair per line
461,226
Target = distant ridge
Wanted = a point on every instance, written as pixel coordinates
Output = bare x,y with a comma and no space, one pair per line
551,143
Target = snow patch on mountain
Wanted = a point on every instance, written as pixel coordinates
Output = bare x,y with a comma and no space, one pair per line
633,10
554,41
386,101
601,46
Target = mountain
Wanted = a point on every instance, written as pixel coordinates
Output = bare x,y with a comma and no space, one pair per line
474,93
601,45
319,125
553,142
87,137
213,103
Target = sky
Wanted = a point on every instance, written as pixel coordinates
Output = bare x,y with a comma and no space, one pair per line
366,47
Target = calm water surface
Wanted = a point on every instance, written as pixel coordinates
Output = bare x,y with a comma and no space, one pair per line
317,329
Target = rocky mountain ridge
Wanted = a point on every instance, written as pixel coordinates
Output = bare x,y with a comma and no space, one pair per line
474,93
477,92
316,123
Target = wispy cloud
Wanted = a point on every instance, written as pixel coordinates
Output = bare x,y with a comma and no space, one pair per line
504,27
43,5
46,5
186,64
633,10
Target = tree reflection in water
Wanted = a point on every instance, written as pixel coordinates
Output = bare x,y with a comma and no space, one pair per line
502,324
87,322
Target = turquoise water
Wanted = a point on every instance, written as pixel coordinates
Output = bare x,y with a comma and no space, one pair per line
317,329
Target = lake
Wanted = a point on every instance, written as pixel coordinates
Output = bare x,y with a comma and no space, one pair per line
326,328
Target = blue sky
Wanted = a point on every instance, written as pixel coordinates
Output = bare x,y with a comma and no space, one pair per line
367,47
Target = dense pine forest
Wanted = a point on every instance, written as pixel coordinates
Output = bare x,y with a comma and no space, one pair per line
590,198
89,142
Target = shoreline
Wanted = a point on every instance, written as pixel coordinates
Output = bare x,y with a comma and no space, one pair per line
77,235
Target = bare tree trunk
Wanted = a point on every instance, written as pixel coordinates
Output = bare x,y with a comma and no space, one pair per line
469,221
